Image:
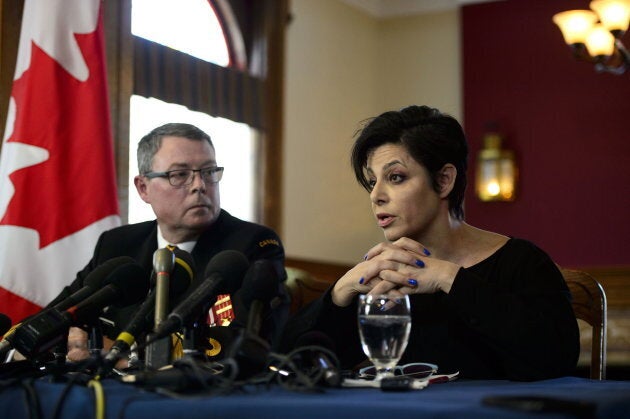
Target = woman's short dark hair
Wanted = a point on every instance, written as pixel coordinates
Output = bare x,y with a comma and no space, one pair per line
431,137
150,143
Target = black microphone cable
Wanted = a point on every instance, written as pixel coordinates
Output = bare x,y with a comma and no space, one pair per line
188,375
307,368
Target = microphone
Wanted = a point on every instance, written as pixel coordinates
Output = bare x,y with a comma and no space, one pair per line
318,352
223,275
5,323
260,287
91,283
181,278
126,285
163,261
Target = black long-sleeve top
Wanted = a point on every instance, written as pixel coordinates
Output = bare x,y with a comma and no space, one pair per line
507,317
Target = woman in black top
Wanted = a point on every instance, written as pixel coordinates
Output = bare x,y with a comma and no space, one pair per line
483,304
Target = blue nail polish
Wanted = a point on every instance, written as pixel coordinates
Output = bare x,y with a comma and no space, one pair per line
365,257
419,263
361,280
426,252
412,282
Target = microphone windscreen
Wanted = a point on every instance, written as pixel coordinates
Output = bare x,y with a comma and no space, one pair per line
260,282
93,281
102,271
132,283
163,260
230,266
5,323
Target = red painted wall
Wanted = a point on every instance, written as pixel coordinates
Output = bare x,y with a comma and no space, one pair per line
569,126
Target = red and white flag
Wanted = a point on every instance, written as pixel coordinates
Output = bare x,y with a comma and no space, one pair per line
57,178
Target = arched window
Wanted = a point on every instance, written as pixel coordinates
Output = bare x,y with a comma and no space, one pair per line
190,26
248,91
193,28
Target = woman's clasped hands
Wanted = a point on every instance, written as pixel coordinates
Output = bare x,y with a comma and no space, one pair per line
396,268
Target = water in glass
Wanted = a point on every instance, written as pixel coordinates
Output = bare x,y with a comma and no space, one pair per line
384,325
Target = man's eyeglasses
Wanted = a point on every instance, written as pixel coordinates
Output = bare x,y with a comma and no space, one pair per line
184,177
414,370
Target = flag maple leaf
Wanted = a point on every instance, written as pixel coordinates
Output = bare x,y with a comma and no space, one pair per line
57,179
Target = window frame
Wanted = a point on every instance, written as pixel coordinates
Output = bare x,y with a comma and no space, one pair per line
123,64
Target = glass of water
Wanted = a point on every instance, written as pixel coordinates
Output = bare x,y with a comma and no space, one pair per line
384,325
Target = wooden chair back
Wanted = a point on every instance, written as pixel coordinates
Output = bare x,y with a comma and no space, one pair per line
589,304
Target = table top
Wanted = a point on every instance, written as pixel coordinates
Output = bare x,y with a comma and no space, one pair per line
461,398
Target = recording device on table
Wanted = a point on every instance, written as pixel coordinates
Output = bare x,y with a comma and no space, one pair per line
118,281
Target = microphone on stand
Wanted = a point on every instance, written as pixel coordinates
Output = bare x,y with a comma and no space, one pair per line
158,352
124,286
260,287
93,281
91,284
142,321
223,275
163,262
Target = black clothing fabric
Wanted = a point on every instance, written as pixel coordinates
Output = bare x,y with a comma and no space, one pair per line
139,241
507,317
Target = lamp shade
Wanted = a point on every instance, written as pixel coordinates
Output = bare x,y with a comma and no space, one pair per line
614,15
575,25
600,42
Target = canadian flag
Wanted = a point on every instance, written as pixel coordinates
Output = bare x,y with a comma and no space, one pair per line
57,178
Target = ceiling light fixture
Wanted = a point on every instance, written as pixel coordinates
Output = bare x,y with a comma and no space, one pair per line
595,35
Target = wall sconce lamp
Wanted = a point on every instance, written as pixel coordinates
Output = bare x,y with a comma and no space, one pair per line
496,171
595,36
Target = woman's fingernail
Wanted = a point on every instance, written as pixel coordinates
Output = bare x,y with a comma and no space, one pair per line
412,282
365,257
419,263
426,252
361,280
